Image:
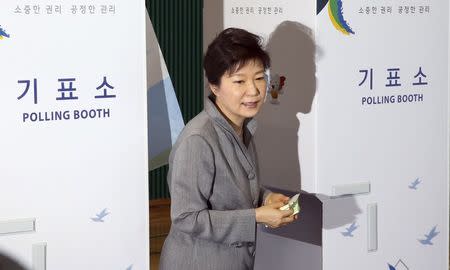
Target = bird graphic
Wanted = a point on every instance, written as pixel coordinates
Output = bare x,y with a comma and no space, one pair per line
336,14
99,217
414,184
350,229
3,33
130,267
429,236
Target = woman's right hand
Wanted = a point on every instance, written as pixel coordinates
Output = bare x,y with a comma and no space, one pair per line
272,216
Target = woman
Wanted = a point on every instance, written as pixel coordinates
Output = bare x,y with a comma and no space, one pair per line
213,181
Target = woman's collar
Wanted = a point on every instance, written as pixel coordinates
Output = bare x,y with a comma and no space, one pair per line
211,109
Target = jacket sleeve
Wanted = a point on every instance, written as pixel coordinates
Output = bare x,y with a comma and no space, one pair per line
191,179
263,193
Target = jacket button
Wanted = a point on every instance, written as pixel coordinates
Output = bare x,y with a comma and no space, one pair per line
251,176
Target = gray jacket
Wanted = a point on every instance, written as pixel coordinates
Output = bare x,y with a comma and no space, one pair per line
214,189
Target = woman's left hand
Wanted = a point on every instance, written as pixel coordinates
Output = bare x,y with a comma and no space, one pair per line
276,197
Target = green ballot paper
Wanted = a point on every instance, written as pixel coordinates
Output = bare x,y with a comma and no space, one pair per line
293,204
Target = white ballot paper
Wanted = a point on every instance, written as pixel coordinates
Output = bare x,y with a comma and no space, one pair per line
293,204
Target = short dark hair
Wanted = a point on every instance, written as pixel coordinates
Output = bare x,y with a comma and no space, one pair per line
230,50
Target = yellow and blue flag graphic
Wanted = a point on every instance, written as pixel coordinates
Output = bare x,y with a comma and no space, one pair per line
336,14
3,34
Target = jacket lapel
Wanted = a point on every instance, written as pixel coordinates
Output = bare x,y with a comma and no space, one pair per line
239,148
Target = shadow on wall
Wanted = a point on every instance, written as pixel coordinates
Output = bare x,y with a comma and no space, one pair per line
7,263
339,211
292,51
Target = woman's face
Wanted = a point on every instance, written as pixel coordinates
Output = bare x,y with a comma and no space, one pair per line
241,94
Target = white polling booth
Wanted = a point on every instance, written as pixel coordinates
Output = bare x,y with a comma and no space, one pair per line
357,119
73,148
